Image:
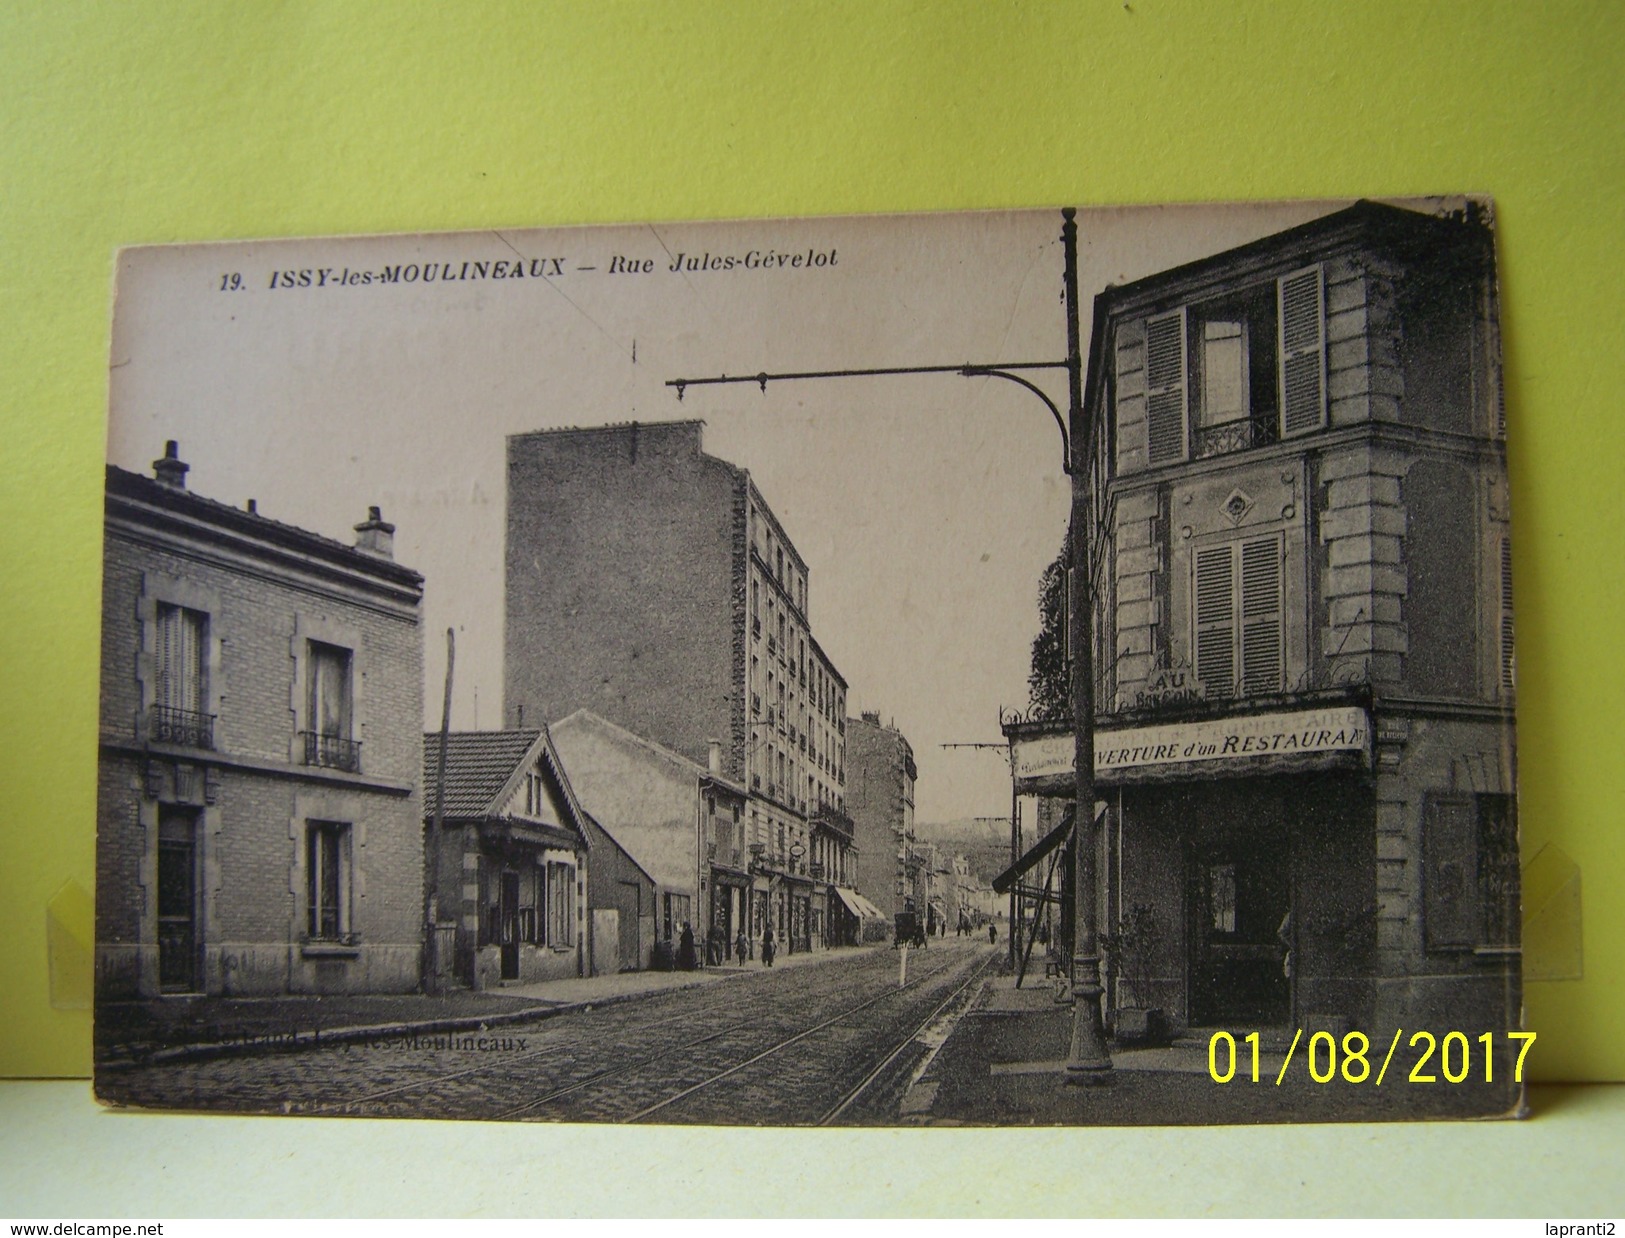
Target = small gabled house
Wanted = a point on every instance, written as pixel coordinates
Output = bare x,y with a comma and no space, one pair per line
509,868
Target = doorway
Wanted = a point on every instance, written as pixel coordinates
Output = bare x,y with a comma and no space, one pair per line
179,942
1239,894
508,923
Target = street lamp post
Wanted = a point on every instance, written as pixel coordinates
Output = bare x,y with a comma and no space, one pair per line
1087,1060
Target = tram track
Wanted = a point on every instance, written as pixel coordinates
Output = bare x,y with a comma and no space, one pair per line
879,1069
869,1078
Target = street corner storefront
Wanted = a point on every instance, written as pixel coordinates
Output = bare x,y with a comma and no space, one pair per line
1237,862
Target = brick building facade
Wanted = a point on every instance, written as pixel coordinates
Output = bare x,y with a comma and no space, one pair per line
258,815
892,871
651,583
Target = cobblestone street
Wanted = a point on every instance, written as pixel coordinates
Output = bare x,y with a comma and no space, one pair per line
834,1041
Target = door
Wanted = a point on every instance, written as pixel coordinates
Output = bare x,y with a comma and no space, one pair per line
179,942
1239,894
508,923
629,902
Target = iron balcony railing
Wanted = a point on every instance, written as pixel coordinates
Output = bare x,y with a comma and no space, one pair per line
1233,436
184,727
332,752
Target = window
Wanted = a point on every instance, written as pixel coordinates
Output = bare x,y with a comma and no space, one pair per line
536,804
327,867
179,687
677,915
328,709
1236,612
1236,371
1470,871
561,904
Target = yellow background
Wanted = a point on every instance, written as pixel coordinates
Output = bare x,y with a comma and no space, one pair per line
169,121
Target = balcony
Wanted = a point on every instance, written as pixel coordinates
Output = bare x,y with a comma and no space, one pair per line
834,819
180,726
332,752
1231,437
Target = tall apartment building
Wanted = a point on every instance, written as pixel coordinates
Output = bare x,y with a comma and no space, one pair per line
1303,626
651,583
880,799
259,820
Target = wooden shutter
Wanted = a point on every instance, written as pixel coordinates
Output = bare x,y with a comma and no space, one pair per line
1166,405
329,691
1450,906
1303,352
1507,665
1261,615
1214,604
180,658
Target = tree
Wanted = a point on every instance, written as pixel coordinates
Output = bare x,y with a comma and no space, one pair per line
1049,682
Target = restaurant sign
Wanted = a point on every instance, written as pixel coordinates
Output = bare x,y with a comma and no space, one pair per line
1044,759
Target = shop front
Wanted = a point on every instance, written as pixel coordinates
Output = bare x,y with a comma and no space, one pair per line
1324,866
1236,864
729,903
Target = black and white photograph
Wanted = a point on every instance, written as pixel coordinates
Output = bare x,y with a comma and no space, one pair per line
1049,667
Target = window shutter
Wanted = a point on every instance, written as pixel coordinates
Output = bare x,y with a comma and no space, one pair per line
1261,615
1507,665
180,658
1215,620
166,689
1450,874
1166,432
1303,352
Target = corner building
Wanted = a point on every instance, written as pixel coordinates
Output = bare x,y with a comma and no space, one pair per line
1303,631
259,821
651,583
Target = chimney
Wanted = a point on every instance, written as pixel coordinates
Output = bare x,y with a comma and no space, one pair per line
171,470
375,537
872,717
716,755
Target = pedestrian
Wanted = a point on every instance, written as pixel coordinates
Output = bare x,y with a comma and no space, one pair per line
992,934
742,946
767,946
685,949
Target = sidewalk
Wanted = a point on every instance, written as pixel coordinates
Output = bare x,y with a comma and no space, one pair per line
1004,1064
166,1029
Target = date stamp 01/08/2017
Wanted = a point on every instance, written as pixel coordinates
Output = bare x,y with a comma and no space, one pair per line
1329,1059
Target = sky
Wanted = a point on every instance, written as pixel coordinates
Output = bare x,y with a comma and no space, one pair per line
926,507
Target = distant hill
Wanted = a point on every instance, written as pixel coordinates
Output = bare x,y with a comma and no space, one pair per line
983,841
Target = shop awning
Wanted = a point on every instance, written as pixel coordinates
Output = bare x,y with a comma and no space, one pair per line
858,905
1004,881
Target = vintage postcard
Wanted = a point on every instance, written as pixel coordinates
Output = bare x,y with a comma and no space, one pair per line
652,673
